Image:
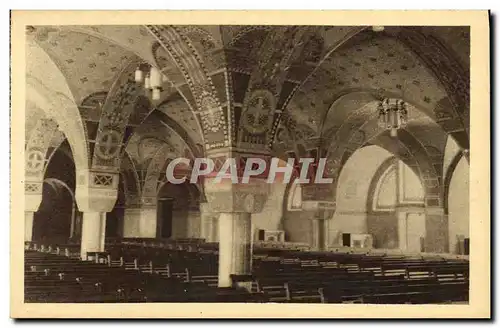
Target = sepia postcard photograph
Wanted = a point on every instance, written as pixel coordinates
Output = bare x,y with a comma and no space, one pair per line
250,164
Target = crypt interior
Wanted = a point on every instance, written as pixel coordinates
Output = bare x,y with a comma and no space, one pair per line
108,107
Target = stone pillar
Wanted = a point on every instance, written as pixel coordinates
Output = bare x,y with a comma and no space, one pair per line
411,227
323,211
235,203
32,201
318,234
96,194
140,222
93,232
28,225
436,230
402,229
205,222
209,224
235,246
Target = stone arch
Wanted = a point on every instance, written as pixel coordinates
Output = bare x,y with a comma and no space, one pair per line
457,205
450,112
377,182
201,86
37,147
445,66
151,182
355,133
448,177
352,191
54,97
367,196
117,108
58,208
74,207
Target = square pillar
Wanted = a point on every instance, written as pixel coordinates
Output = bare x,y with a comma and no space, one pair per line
436,230
235,246
321,212
28,225
93,233
209,224
140,222
319,234
411,227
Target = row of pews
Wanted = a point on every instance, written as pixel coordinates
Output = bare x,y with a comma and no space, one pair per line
53,277
137,270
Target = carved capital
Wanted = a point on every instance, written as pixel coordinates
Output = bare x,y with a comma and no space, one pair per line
237,198
322,210
96,191
318,192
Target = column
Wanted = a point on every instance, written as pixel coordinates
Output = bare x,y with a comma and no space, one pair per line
93,233
436,230
233,205
318,234
32,201
205,222
215,228
411,227
96,194
140,222
402,229
320,212
28,225
208,224
235,247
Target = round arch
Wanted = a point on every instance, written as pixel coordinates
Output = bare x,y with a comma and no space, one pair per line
457,197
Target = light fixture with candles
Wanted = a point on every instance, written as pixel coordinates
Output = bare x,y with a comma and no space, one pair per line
392,115
152,78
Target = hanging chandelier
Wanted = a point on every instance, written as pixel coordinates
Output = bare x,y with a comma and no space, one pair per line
392,115
153,79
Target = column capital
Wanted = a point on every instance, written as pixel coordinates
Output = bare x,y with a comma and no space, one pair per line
314,205
226,197
323,210
96,191
320,192
32,195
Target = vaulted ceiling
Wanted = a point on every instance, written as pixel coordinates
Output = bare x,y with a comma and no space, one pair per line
327,81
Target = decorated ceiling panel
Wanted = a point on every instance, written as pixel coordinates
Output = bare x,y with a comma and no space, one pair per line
457,38
149,138
368,62
133,38
178,110
319,81
90,64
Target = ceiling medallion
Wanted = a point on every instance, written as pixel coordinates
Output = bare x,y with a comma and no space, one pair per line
259,108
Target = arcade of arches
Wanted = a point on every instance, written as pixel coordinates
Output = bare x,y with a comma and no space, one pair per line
97,144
